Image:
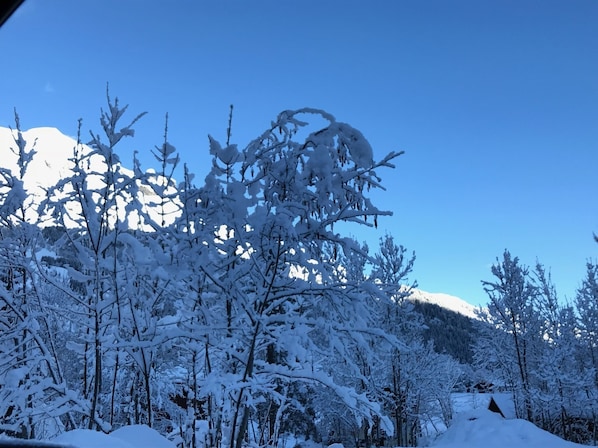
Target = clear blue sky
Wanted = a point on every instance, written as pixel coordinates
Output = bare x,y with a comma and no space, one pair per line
494,102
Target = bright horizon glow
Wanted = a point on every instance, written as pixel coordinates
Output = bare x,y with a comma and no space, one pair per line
494,103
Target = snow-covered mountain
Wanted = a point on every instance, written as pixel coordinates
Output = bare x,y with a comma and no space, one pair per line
447,301
53,149
51,162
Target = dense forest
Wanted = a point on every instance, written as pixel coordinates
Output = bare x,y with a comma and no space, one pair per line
232,312
451,333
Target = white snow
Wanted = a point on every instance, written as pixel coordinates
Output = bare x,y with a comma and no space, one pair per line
87,438
14,376
447,301
473,428
51,163
483,428
126,437
142,435
360,149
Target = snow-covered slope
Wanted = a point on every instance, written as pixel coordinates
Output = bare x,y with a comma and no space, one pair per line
482,428
126,437
445,301
50,163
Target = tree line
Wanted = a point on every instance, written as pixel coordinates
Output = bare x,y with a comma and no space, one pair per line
545,351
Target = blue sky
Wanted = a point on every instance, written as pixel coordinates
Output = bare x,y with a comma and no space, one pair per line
494,102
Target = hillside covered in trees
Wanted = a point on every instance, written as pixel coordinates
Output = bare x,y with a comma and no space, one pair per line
235,305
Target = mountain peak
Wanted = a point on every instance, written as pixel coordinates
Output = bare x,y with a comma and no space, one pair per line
52,162
447,301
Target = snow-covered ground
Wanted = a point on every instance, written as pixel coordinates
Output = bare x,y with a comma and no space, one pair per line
126,437
474,428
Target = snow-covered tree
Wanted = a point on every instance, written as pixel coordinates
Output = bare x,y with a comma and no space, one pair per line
511,317
586,301
399,389
94,203
268,219
236,302
586,331
33,394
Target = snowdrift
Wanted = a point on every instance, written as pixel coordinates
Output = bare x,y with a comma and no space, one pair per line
125,437
483,428
472,429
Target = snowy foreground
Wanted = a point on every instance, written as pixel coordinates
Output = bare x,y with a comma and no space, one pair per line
483,428
472,429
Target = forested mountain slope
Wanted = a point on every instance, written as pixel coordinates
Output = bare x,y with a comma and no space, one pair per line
451,332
